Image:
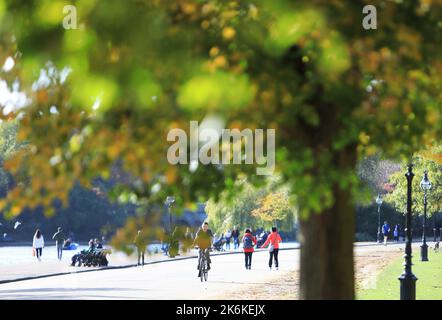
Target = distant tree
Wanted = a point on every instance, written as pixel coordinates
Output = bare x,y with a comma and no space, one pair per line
252,207
374,172
423,161
274,207
76,217
9,145
225,212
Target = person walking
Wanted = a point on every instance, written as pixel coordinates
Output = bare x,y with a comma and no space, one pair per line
396,233
59,238
385,230
235,236
140,243
228,238
249,242
38,244
273,240
222,241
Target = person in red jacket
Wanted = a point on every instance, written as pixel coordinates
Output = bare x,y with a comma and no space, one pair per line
274,239
249,242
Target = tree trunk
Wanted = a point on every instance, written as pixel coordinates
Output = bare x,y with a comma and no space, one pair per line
327,270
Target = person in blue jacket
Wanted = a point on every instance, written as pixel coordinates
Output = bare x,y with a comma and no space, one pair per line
385,231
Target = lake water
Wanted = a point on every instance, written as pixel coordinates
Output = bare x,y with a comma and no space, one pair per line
22,255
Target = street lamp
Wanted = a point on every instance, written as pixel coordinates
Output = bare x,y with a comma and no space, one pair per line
407,278
169,201
379,202
425,186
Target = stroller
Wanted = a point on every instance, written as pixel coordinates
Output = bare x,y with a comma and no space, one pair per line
218,244
261,239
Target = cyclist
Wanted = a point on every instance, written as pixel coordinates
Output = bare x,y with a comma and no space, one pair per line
203,240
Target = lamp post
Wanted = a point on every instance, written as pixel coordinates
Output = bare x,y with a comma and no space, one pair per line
169,201
407,278
425,186
379,203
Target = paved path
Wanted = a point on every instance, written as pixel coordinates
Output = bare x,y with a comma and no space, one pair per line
172,280
175,279
27,267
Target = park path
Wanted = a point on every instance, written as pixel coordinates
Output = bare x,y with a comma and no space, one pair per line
370,260
177,279
27,267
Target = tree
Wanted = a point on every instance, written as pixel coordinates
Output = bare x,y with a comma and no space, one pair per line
252,207
375,172
77,216
226,212
333,91
424,161
8,147
275,206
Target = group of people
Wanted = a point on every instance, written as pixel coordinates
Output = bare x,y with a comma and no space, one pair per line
204,238
93,245
61,242
386,229
223,242
226,238
272,240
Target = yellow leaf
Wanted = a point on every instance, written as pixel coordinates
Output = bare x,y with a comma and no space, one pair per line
16,210
171,175
229,33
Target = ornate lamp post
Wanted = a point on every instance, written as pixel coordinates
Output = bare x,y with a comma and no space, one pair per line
169,201
379,203
407,278
425,186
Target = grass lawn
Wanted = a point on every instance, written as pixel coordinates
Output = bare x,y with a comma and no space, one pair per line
428,286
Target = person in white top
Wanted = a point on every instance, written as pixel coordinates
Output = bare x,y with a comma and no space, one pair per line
38,244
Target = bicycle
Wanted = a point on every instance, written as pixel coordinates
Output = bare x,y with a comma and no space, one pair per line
203,265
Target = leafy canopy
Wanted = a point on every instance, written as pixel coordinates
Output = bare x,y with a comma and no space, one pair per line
332,90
